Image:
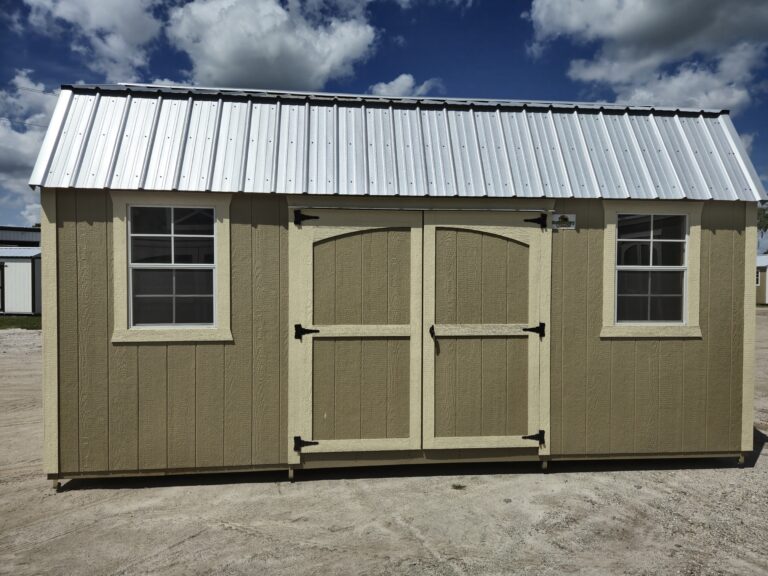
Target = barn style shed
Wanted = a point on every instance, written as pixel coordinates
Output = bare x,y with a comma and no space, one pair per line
254,280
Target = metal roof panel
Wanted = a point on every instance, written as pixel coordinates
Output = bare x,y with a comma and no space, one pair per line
201,139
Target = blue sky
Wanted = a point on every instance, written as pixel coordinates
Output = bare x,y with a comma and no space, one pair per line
701,53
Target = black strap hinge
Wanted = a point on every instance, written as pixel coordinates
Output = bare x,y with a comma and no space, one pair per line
539,437
298,443
299,331
541,330
299,217
541,220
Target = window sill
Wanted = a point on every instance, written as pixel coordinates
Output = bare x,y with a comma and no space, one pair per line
650,331
169,335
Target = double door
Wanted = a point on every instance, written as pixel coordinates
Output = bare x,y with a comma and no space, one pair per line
417,330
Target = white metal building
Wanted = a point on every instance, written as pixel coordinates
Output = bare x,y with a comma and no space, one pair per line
19,280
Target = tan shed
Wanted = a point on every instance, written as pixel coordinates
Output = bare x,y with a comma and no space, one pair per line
250,280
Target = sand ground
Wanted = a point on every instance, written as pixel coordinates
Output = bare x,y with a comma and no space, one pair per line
604,518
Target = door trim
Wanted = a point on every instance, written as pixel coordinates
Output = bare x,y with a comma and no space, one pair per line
538,311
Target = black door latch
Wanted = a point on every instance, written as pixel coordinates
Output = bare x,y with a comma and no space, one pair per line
540,220
298,443
299,217
299,331
539,437
540,329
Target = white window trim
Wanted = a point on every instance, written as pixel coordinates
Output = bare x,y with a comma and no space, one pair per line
122,331
689,328
757,282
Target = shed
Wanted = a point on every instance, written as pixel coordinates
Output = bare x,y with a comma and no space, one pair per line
19,280
19,236
762,279
254,280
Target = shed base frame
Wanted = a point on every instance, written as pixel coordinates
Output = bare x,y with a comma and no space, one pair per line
337,461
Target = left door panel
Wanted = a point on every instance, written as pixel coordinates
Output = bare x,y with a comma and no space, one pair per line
355,349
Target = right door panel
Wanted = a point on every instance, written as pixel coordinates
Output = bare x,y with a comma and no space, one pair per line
483,287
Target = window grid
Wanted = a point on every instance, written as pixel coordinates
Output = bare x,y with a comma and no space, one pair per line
172,265
652,267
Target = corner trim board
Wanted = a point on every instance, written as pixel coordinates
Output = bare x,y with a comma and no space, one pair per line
50,320
748,389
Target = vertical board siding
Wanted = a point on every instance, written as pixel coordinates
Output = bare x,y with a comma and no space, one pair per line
238,355
132,407
153,394
481,386
209,406
267,348
360,388
362,278
66,244
181,406
92,338
646,396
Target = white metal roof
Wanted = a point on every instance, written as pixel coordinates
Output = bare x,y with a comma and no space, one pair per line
19,251
202,139
762,261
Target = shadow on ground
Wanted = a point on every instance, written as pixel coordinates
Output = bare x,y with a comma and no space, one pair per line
419,471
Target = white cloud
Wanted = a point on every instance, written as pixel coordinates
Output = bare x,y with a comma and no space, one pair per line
260,43
405,85
702,53
113,36
748,139
25,109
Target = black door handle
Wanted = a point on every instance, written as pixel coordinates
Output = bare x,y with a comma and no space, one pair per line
434,337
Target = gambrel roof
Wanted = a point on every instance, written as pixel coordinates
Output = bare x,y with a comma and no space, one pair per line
133,137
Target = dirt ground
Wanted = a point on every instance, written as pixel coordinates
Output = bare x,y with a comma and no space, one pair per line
628,518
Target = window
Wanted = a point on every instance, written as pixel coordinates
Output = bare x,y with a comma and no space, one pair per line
650,267
172,265
757,280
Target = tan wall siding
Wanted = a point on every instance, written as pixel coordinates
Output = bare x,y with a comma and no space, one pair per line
645,396
127,407
131,407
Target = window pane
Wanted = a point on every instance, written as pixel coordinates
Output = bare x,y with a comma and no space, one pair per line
668,253
631,282
667,283
150,250
194,310
193,221
152,310
194,282
634,226
668,227
150,220
668,308
632,308
156,282
193,250
633,253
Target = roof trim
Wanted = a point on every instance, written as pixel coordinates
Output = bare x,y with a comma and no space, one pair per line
253,93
